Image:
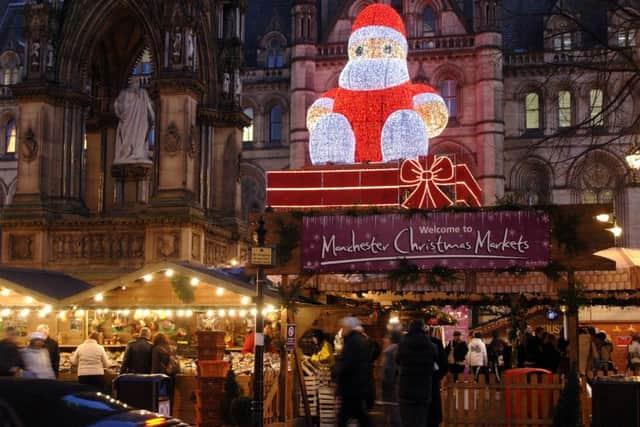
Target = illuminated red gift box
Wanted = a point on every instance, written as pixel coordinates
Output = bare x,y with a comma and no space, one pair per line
429,183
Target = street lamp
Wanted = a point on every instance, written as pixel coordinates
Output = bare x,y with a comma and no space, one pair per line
633,158
610,219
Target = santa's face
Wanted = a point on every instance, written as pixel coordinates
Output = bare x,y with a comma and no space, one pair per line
374,64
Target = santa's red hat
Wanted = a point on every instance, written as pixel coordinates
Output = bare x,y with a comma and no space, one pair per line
379,21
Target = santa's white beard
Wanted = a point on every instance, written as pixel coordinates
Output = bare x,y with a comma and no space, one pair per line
374,73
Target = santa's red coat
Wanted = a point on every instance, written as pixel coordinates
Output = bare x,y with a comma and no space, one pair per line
368,110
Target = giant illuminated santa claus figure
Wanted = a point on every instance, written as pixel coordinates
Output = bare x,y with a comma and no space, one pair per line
376,114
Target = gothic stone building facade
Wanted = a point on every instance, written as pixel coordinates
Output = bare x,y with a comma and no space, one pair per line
66,206
528,120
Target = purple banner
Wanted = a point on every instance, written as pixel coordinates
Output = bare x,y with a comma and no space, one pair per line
458,240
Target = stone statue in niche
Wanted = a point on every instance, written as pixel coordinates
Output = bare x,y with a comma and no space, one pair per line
134,109
35,56
189,48
176,47
226,84
49,57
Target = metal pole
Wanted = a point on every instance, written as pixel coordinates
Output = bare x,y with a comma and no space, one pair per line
258,371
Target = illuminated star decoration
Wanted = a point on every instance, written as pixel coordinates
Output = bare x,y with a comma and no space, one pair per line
376,114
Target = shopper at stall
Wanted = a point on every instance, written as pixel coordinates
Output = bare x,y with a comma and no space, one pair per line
390,379
634,355
533,348
91,360
163,361
604,348
52,347
352,372
435,416
550,359
36,358
499,356
374,350
250,340
11,364
137,356
477,357
416,357
456,352
324,350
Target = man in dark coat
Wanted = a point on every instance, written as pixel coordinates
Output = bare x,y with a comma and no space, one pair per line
456,352
353,375
435,409
416,357
52,347
137,357
11,363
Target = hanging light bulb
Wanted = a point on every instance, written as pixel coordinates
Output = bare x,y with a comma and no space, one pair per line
99,297
79,313
195,281
233,262
243,313
28,300
180,313
5,292
245,300
169,273
222,313
123,287
24,312
232,313
169,314
270,308
147,278
189,313
42,314
62,315
126,312
209,314
220,292
5,312
616,230
254,311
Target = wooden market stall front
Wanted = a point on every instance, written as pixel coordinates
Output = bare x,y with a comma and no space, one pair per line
175,298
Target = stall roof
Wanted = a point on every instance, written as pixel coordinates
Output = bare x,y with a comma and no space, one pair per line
235,280
45,286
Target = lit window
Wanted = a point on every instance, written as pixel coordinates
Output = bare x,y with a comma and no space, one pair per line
449,92
595,107
6,77
428,22
11,137
532,111
627,38
275,55
564,109
247,132
275,125
562,41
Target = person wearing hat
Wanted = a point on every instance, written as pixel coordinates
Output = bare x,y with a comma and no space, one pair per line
352,374
456,352
416,359
137,356
36,358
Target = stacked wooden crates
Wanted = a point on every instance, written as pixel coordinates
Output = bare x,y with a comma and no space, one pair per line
212,372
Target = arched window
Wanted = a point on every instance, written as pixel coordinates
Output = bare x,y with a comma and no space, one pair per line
596,99
562,41
275,54
449,91
275,125
11,137
247,132
532,111
564,109
428,22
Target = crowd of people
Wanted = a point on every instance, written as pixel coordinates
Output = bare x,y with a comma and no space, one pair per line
41,358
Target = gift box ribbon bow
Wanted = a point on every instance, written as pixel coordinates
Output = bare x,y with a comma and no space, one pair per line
427,180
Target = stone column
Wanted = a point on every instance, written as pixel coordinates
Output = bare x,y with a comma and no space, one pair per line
489,115
178,140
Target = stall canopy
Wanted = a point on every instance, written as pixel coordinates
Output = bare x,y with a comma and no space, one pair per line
150,285
623,257
155,284
44,286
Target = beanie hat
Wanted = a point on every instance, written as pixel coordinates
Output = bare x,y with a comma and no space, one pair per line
379,21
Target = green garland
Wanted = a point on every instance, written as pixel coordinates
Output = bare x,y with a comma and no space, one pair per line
407,273
182,288
289,234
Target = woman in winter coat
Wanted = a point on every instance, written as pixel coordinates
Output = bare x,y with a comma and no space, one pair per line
36,358
477,357
390,380
91,360
163,361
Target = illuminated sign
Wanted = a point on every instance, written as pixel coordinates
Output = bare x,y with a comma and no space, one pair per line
458,240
